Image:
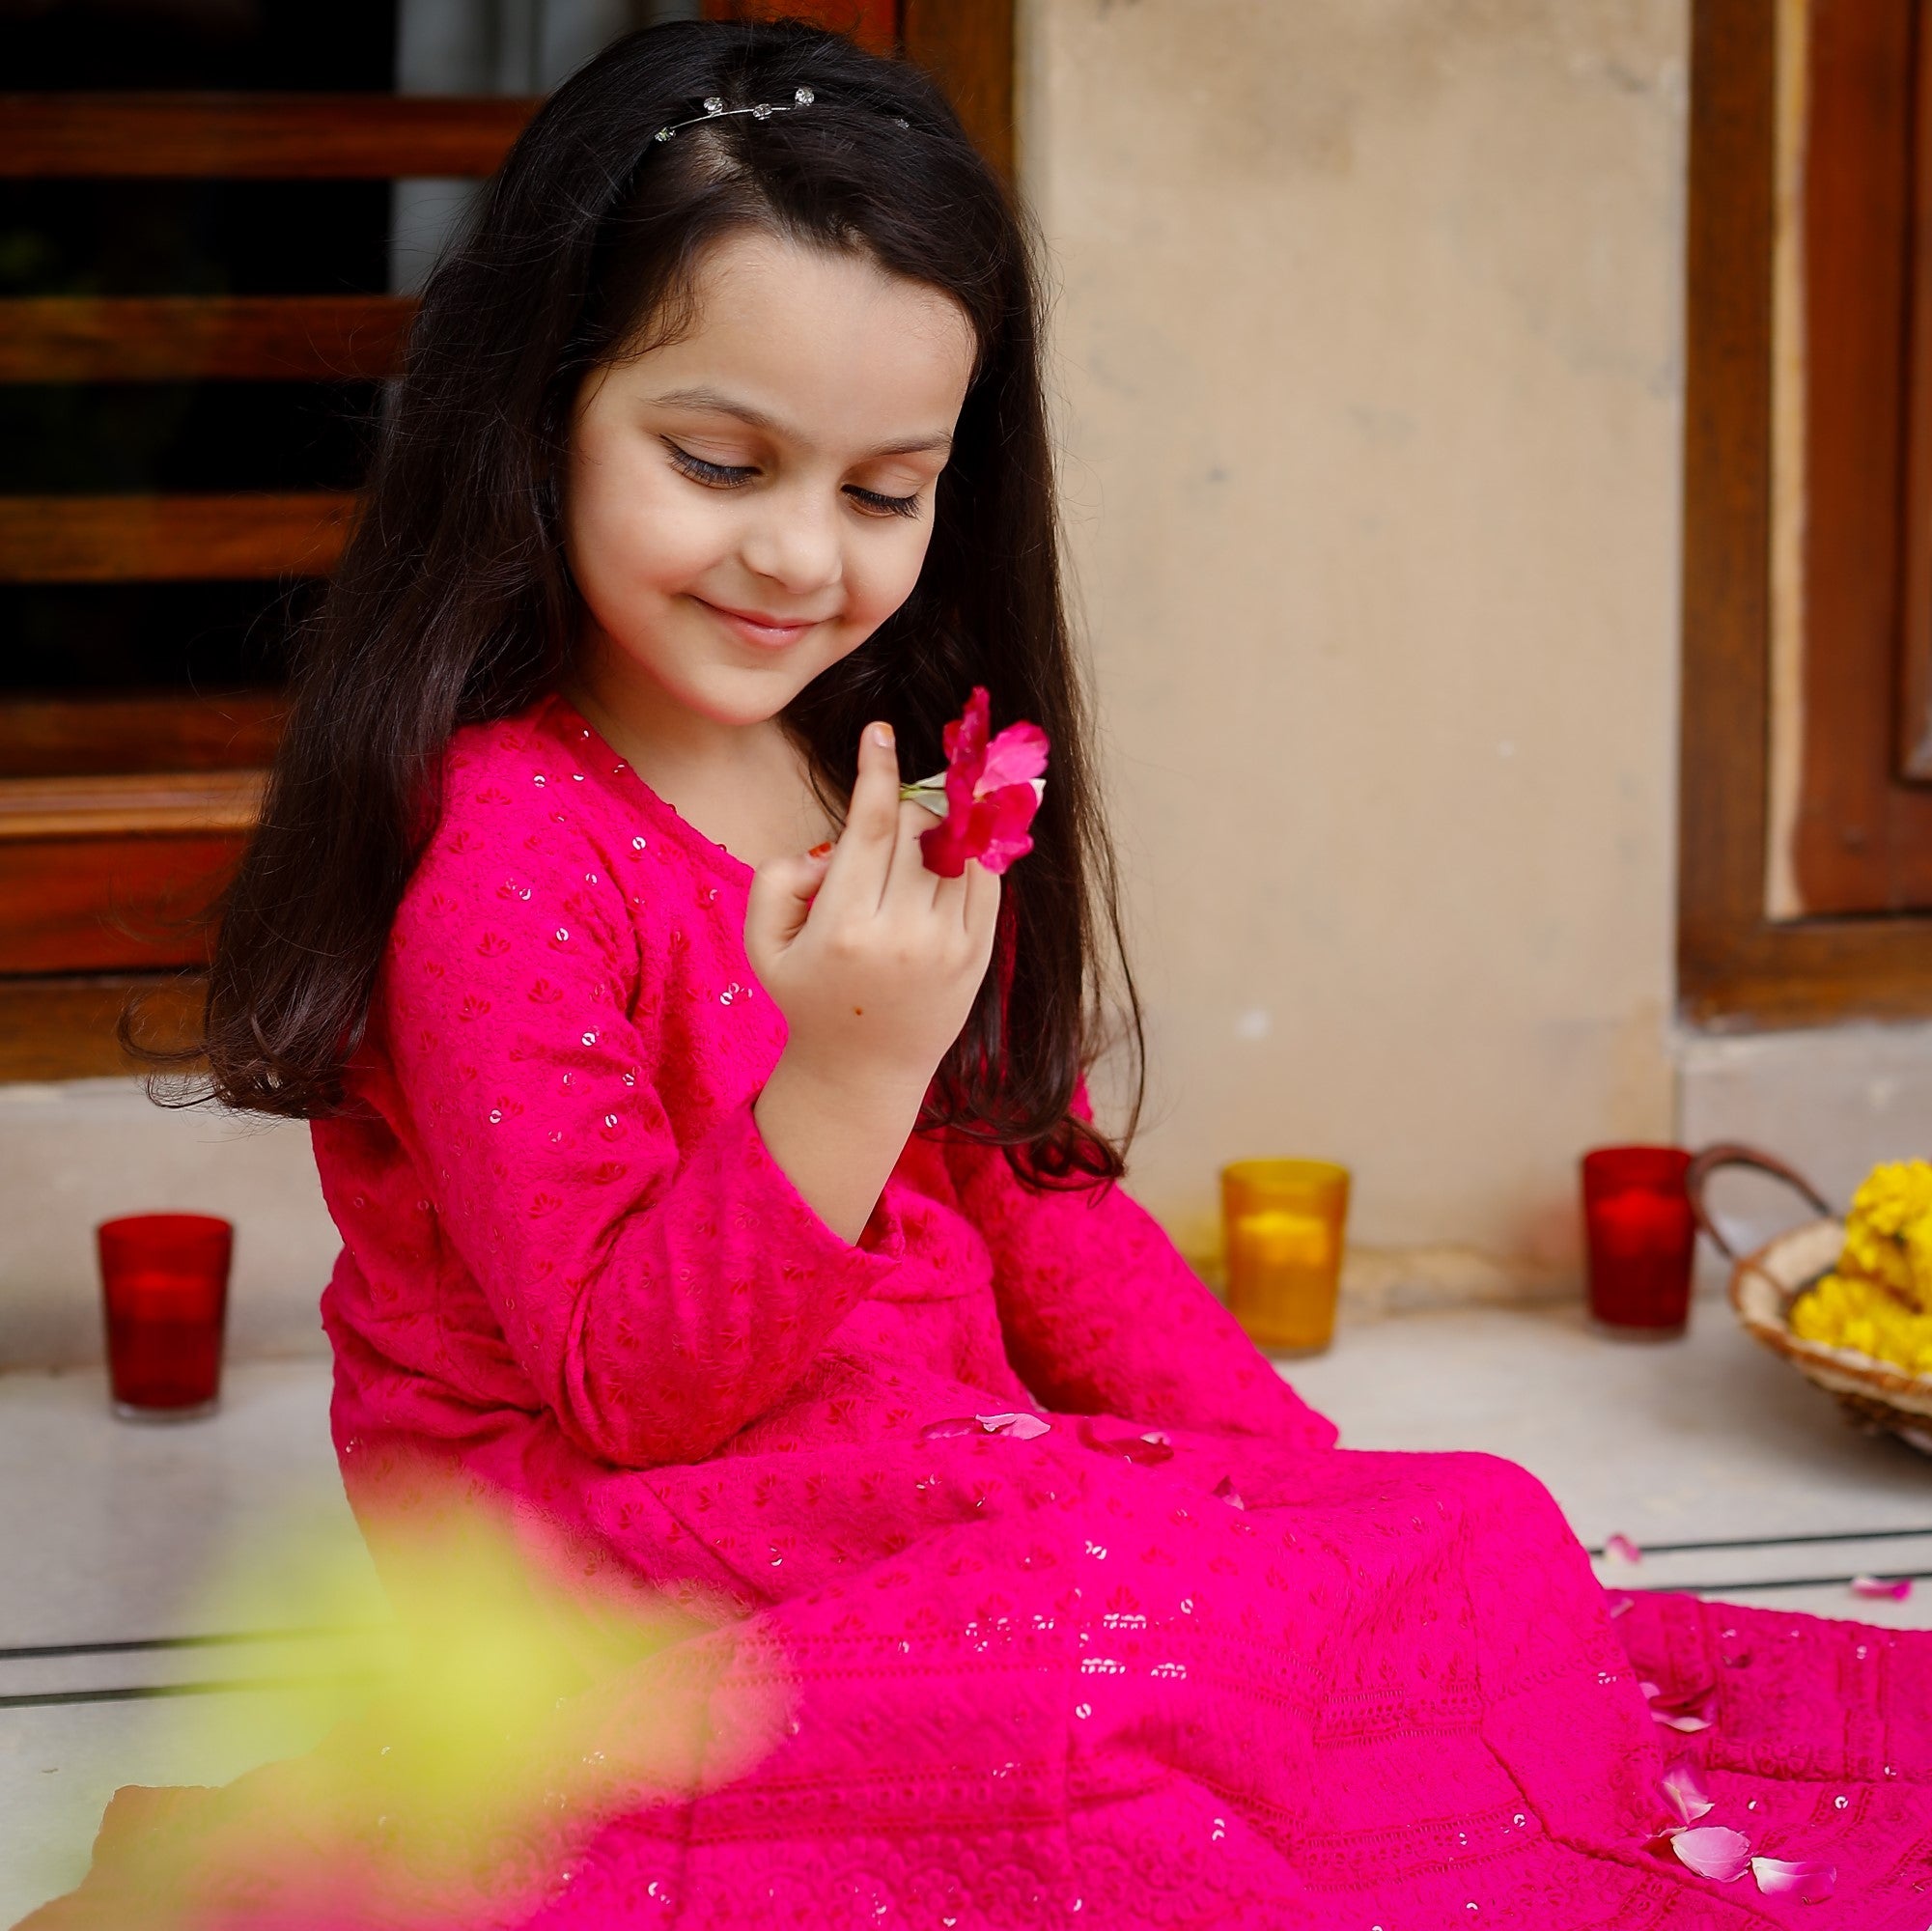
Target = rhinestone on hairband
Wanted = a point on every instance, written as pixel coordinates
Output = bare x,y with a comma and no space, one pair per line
717,110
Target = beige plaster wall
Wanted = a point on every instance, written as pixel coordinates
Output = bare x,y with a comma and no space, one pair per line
1368,364
1368,334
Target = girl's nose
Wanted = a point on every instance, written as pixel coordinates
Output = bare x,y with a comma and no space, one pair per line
797,546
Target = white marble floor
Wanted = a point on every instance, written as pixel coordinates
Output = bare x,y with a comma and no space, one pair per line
153,1573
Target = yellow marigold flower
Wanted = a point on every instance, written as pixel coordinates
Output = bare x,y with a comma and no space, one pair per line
1888,1232
1863,1310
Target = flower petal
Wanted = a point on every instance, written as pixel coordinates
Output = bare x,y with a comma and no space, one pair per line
1228,1493
991,830
1685,1720
1686,1710
1023,1427
946,848
1000,823
1896,1589
1683,1791
1813,1882
1620,1601
992,791
1017,756
953,1426
1622,1547
965,739
1148,1450
1712,1851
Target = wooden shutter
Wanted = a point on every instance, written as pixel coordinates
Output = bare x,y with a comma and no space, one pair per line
119,818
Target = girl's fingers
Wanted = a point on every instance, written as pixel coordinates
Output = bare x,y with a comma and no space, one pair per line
949,897
780,900
910,883
982,904
863,856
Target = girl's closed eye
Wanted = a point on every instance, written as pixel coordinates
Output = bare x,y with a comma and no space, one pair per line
735,476
716,475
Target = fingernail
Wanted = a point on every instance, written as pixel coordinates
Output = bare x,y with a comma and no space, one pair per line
881,736
820,851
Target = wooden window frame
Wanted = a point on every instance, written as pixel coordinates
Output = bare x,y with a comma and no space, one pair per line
63,1026
1738,969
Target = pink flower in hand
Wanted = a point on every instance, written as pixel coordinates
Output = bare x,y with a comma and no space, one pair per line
991,792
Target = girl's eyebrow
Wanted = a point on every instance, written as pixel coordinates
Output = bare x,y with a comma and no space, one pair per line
723,404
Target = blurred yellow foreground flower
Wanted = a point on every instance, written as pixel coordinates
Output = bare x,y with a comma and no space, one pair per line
531,1692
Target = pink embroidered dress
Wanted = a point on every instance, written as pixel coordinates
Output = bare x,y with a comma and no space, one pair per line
1051,1678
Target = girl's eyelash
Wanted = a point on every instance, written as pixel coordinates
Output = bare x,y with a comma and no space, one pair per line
723,476
894,506
719,475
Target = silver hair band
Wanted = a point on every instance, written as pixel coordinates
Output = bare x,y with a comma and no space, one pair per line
717,110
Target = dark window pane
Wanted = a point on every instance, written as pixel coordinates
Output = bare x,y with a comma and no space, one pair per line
147,636
348,45
199,237
137,437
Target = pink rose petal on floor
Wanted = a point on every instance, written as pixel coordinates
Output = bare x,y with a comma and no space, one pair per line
1022,1427
1894,1589
1812,1883
1681,1787
1228,1493
1712,1851
1623,1549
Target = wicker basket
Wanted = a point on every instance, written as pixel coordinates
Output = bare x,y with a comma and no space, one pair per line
1875,1395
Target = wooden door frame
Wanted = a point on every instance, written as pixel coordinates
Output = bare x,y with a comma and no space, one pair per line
1737,969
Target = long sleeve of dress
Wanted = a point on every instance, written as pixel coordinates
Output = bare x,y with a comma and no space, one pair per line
1101,1314
658,1296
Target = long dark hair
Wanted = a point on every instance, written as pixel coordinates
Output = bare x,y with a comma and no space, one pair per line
454,604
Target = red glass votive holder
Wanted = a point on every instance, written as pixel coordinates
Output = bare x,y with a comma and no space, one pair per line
1641,1235
164,1284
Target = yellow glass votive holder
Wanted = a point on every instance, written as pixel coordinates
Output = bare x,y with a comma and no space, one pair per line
1284,1221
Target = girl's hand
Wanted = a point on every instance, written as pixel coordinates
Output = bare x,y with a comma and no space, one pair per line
874,960
874,963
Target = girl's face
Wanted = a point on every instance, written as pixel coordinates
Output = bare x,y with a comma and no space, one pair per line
746,505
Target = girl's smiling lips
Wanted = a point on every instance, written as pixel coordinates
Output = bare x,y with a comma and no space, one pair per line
756,627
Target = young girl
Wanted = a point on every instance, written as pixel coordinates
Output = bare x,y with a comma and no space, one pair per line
717,1186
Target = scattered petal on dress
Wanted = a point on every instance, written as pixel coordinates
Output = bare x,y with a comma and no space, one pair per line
1808,1882
1022,1426
952,1428
1713,1851
1683,1790
1148,1449
1686,1710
